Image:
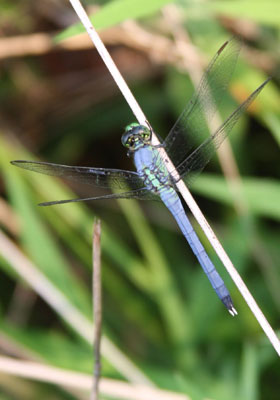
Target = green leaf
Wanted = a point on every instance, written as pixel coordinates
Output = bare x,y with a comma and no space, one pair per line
51,346
116,12
265,12
262,195
37,240
273,122
249,376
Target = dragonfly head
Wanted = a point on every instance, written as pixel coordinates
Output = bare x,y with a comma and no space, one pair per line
136,136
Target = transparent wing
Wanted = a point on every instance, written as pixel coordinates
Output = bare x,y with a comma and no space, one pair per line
191,127
142,194
197,160
99,177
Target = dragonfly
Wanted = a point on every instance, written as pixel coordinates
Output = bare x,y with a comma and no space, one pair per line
190,145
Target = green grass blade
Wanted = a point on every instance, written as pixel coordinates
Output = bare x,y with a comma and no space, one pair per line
116,12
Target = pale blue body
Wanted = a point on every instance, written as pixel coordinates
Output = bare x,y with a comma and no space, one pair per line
158,181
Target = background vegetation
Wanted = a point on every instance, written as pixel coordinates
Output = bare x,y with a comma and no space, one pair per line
59,104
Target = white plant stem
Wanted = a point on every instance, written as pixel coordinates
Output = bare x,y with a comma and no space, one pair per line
180,184
112,388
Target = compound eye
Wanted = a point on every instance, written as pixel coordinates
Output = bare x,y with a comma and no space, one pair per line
130,141
145,135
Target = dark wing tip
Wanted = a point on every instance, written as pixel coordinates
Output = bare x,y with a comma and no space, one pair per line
18,162
49,203
57,202
222,47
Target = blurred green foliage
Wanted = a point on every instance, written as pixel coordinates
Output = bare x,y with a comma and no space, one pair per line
159,308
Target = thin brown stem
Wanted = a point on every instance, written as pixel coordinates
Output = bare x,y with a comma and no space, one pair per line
97,306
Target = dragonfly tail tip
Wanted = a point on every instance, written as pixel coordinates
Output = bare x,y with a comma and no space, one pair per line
229,305
232,311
